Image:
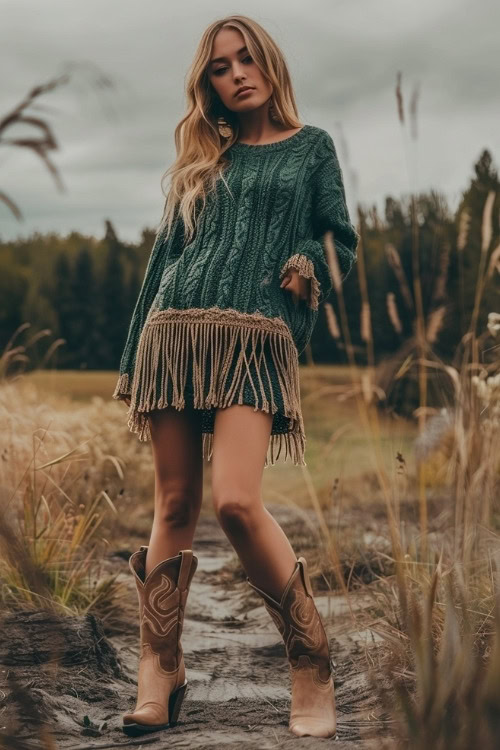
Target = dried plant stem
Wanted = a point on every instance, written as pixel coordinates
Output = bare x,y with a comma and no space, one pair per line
486,234
422,371
363,288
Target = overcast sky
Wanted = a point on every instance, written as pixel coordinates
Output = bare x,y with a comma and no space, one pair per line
343,55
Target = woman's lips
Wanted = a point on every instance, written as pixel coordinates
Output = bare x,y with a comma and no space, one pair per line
245,91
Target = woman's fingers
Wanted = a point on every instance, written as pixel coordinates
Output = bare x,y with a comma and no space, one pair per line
286,281
299,290
298,286
291,290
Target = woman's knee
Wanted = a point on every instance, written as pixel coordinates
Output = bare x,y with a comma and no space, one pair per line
177,506
236,509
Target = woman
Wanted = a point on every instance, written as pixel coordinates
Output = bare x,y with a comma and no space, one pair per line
210,367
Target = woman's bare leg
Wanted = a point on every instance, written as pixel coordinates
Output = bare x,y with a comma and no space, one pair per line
240,444
176,444
241,439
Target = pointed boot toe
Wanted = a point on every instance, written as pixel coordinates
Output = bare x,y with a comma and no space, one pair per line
313,728
152,716
313,701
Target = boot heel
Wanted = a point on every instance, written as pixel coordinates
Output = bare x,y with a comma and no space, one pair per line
175,703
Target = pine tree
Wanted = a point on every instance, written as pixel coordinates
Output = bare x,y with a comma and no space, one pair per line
134,287
114,303
14,283
63,305
83,289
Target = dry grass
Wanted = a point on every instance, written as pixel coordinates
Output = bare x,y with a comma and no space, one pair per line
57,476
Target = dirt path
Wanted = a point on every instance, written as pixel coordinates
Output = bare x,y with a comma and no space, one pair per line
239,691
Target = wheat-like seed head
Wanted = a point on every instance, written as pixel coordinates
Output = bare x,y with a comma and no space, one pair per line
366,327
463,229
487,223
333,261
395,262
331,320
435,323
392,311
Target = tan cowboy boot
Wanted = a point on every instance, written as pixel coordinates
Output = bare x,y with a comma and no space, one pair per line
306,643
161,681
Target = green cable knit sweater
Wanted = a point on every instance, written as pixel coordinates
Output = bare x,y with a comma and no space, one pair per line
212,326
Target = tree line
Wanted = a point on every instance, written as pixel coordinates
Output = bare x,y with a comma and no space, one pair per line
83,289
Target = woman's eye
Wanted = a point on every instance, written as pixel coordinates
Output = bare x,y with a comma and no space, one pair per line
220,70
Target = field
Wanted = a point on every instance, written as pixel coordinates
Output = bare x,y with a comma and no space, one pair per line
87,503
324,416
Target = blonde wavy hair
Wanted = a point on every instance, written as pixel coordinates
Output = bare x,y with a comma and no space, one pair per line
200,146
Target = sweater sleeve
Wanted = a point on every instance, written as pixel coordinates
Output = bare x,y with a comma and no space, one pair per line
164,252
329,212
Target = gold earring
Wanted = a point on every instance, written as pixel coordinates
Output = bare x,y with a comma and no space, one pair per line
224,128
272,111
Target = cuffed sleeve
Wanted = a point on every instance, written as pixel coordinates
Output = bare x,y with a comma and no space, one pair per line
305,266
164,252
329,212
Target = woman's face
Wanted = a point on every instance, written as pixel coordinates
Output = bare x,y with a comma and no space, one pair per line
236,68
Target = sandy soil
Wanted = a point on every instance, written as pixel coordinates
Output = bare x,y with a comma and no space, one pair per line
239,692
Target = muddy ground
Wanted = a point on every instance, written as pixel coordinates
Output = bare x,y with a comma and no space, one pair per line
239,691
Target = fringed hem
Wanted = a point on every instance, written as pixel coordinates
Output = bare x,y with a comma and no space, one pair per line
305,267
122,388
210,336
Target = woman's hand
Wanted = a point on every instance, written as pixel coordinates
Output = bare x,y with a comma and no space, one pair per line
297,285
